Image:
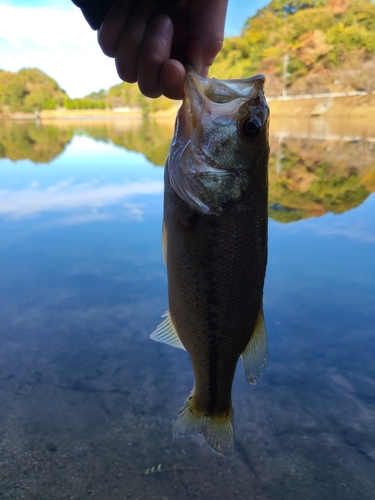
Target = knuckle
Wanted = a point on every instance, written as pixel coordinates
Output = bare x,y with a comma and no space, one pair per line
153,58
213,49
217,45
154,52
134,37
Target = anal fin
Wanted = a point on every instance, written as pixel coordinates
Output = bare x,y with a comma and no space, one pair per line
166,333
255,355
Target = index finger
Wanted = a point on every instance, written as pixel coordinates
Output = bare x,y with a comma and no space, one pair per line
109,33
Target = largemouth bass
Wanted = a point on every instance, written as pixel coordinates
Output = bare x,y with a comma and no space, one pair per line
215,246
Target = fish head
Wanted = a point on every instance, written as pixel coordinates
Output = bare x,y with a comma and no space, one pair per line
220,144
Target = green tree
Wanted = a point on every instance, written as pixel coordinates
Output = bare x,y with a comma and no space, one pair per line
29,90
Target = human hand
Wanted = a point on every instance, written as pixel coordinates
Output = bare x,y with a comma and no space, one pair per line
151,40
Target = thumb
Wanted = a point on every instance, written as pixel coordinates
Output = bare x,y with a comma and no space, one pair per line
206,32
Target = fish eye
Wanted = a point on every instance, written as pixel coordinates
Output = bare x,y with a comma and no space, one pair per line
251,127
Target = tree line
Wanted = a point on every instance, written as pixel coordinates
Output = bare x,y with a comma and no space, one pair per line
31,90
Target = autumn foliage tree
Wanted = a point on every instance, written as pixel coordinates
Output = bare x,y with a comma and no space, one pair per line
325,40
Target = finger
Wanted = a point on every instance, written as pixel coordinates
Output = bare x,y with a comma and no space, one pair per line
172,78
206,34
153,54
131,40
109,32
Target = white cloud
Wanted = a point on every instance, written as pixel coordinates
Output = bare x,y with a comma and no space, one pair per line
65,195
57,41
85,218
47,27
355,224
360,232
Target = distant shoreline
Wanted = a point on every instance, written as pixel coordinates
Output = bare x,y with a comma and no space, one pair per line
90,114
359,106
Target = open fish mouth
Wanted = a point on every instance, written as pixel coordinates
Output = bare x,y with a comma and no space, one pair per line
220,91
213,112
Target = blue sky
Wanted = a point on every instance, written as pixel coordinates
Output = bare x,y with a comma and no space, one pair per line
53,36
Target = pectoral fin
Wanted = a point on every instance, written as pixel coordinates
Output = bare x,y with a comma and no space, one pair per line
255,356
166,333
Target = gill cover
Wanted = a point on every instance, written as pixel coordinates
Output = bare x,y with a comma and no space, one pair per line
220,129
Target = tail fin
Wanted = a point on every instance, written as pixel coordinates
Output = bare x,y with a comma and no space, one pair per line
217,430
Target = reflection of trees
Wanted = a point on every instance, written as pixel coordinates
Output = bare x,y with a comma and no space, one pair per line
41,143
310,178
148,137
19,141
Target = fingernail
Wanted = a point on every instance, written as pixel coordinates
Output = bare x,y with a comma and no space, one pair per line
161,28
204,71
197,63
171,76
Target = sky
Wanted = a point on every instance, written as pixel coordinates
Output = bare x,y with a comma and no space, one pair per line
53,35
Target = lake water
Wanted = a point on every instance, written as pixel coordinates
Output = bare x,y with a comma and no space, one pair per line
87,399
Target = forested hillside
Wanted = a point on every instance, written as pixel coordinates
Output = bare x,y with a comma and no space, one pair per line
29,90
324,45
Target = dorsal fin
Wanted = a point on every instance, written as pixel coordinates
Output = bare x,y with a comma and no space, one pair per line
166,333
255,355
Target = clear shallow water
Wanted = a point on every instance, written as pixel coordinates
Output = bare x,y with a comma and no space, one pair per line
87,400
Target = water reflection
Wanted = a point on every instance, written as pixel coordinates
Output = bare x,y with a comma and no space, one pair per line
312,177
87,400
318,167
42,142
67,196
148,137
33,141
315,166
